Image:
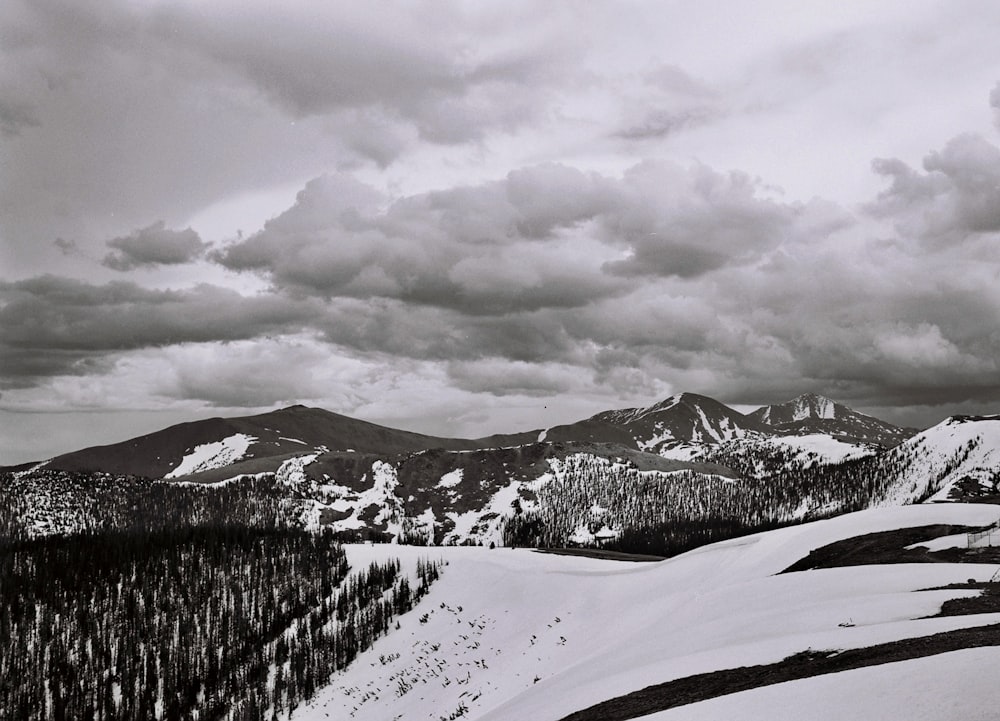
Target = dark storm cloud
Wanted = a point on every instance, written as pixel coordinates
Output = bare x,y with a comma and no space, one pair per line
866,321
154,245
61,320
431,333
24,367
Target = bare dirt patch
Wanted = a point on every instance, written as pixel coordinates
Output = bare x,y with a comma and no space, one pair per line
891,547
601,553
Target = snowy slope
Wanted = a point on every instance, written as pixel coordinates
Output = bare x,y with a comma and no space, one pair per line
682,427
509,634
937,688
763,456
961,449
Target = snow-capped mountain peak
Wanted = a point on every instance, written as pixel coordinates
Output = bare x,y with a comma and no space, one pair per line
810,413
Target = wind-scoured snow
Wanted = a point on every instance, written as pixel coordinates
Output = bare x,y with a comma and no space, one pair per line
209,456
512,634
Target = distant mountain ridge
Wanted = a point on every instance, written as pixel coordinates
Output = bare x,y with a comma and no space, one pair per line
269,438
811,413
683,427
664,472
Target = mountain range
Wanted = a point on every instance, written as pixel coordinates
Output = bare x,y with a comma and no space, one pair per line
821,544
686,426
627,477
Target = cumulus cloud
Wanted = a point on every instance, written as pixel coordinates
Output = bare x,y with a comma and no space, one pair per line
552,281
154,245
956,197
500,247
140,111
547,236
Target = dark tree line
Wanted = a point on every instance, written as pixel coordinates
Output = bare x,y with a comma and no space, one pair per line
58,502
198,623
667,514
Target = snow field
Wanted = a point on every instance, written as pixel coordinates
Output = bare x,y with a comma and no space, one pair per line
820,446
946,687
209,456
510,634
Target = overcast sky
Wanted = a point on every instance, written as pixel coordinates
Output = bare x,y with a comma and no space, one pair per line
473,217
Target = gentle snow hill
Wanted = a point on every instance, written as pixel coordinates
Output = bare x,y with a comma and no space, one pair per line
508,634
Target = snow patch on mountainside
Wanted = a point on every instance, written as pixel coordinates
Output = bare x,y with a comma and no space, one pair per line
486,524
292,472
663,443
209,456
820,447
450,479
812,406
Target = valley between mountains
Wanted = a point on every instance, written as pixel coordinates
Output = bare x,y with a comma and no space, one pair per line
302,564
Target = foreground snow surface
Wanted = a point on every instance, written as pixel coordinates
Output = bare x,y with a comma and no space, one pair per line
947,687
513,634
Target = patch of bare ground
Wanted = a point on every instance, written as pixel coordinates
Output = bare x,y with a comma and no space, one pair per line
891,547
601,553
805,664
988,601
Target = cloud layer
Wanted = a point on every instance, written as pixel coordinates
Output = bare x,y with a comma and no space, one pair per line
506,215
553,281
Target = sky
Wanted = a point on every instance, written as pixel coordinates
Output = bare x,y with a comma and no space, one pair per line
465,218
